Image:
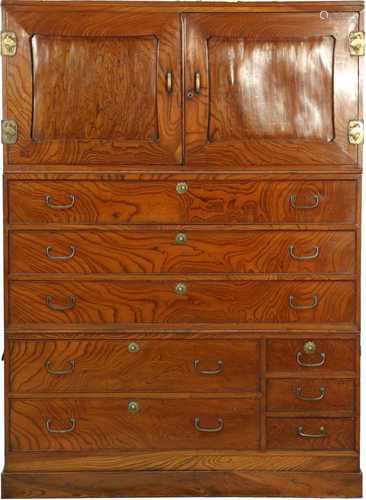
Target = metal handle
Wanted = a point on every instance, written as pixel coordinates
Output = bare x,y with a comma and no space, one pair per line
293,305
198,427
49,249
314,255
299,395
169,81
52,371
60,431
300,362
55,307
322,433
219,370
197,82
293,199
50,204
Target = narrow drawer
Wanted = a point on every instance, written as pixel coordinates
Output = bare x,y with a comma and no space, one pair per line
133,365
190,302
165,202
311,355
133,424
310,394
186,251
310,433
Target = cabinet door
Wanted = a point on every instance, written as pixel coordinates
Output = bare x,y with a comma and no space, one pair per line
269,89
91,87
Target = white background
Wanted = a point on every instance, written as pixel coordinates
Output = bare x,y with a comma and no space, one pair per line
363,319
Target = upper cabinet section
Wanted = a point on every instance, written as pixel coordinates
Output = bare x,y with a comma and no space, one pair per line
270,89
98,87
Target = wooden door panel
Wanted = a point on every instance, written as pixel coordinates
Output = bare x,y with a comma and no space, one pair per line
93,90
214,302
272,89
160,424
152,366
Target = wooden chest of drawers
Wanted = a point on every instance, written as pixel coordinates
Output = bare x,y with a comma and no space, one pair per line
182,248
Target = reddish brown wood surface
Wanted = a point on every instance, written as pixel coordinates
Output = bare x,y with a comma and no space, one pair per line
159,424
156,366
204,203
205,302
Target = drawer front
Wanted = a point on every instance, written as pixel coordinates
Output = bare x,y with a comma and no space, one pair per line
190,302
158,202
187,251
133,365
310,394
310,433
148,424
325,355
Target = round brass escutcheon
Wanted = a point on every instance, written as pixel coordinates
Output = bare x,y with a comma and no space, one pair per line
133,407
181,238
181,289
133,347
309,347
182,187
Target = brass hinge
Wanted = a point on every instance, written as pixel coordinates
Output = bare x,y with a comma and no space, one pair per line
8,43
9,131
357,43
355,132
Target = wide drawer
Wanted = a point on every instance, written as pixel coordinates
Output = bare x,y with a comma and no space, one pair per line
133,424
190,302
311,355
133,365
189,251
198,202
310,394
310,433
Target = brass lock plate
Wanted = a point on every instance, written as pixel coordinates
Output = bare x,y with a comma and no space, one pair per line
357,43
355,132
8,43
9,131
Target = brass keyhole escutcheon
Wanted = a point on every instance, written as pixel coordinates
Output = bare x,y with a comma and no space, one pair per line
181,289
182,187
309,347
133,347
133,407
181,238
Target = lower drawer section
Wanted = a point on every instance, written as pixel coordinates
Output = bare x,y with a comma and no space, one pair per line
133,424
310,433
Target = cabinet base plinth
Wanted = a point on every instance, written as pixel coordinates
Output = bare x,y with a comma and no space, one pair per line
182,483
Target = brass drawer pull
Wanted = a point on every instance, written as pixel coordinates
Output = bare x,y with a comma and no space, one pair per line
61,431
198,427
300,362
50,203
56,307
169,81
314,255
299,395
315,204
322,433
219,370
52,371
181,289
133,347
182,187
197,82
181,238
49,250
293,305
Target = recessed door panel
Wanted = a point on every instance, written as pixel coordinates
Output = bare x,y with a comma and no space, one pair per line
93,88
270,89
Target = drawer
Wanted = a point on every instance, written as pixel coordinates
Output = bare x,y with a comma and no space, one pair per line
199,202
310,394
76,302
133,424
187,251
133,365
310,433
311,355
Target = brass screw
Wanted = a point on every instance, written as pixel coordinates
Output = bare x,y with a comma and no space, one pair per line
182,187
181,289
181,238
133,347
133,407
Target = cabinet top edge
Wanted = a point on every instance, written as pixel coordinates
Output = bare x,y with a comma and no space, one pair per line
195,6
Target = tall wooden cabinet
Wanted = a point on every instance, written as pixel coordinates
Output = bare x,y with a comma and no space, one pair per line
182,248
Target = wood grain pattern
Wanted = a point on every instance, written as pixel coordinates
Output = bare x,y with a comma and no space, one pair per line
282,433
154,202
159,424
339,355
205,302
284,395
109,366
204,251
